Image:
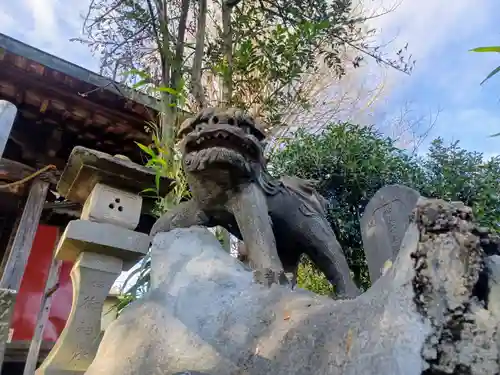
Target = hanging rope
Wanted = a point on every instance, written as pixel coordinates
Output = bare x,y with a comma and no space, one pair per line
30,177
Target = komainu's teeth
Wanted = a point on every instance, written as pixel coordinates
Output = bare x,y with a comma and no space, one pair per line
221,135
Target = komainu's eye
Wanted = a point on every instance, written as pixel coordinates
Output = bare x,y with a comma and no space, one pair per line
185,128
185,131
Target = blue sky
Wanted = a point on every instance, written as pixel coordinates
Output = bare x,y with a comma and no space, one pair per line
447,76
439,34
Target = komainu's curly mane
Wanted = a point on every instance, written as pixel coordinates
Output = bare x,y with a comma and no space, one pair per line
312,202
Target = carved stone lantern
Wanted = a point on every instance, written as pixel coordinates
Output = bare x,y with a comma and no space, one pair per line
101,244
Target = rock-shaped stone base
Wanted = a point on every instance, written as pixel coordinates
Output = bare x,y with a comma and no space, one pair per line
205,315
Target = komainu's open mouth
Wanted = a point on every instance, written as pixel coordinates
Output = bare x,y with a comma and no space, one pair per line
227,140
223,139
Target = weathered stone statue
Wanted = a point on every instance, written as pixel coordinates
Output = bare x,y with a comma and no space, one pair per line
277,219
428,313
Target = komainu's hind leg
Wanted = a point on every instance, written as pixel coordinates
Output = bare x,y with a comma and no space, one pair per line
325,251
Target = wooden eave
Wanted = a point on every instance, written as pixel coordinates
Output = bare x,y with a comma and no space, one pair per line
61,105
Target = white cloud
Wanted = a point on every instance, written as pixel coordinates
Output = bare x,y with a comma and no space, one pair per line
431,28
7,22
427,25
446,76
48,25
45,22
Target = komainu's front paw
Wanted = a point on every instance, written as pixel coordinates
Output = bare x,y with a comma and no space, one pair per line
268,277
163,224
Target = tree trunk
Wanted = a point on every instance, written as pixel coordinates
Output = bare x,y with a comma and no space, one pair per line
196,86
227,89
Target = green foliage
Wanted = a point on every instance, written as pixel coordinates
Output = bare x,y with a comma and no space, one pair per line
278,45
352,162
161,154
158,158
123,301
272,50
452,173
309,277
164,167
269,52
142,274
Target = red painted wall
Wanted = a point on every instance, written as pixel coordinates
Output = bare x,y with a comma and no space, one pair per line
32,287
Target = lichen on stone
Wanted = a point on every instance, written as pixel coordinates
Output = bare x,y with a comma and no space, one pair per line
449,262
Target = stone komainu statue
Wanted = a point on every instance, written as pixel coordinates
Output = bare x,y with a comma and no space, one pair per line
278,219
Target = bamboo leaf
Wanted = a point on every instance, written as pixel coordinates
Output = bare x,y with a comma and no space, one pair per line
495,71
486,49
162,150
159,161
166,89
146,149
495,135
141,83
156,141
157,181
123,302
148,190
137,72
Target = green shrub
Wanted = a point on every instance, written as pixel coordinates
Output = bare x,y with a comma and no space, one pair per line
352,162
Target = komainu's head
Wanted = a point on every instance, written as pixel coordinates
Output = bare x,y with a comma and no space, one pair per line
221,139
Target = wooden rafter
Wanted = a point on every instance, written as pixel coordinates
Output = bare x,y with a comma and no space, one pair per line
71,99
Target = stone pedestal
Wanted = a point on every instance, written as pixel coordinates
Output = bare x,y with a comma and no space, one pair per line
101,251
102,245
92,276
